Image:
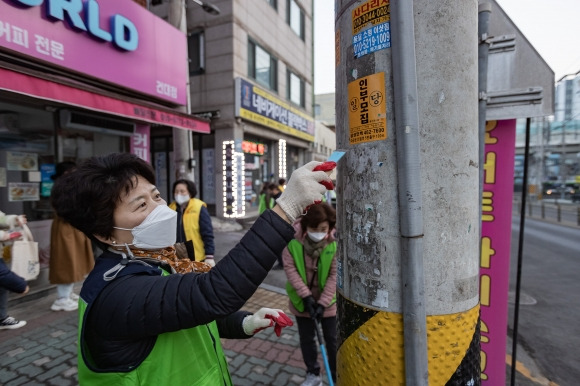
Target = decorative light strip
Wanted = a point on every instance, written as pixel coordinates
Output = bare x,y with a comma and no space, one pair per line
228,179
233,181
282,158
241,166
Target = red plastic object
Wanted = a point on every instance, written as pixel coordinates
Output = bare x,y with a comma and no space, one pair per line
325,166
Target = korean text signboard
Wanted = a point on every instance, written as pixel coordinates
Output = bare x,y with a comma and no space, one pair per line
496,220
257,105
116,41
367,115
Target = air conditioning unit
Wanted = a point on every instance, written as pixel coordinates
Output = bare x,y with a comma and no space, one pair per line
99,124
8,121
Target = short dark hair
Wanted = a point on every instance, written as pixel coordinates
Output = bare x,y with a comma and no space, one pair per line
87,197
316,214
281,181
190,187
62,168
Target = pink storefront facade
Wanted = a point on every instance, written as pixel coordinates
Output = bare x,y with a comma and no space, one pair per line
79,79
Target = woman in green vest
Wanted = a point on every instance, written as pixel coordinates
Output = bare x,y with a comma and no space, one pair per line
310,264
193,220
147,317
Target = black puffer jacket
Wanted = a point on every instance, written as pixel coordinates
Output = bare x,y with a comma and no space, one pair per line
125,318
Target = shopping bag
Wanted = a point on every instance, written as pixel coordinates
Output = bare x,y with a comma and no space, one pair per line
25,256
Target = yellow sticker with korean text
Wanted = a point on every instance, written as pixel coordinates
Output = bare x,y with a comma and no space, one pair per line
367,109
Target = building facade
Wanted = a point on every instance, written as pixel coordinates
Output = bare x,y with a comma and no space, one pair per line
73,85
554,141
251,70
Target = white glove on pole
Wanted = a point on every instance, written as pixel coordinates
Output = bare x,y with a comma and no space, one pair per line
302,190
264,318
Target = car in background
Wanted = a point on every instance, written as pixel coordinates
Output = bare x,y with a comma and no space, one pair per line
556,191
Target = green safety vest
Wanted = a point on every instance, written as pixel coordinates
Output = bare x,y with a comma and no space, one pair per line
189,357
262,207
296,249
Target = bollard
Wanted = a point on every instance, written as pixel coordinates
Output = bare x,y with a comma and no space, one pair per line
543,211
559,212
578,215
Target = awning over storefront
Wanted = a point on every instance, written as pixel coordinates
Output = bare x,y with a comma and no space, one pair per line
24,84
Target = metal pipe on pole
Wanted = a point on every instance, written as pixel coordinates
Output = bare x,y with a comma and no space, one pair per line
484,12
410,195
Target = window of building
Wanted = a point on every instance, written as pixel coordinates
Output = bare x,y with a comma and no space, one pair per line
317,110
262,66
196,52
273,4
295,89
295,17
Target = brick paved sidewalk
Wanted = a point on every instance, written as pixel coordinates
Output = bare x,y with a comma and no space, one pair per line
267,359
44,351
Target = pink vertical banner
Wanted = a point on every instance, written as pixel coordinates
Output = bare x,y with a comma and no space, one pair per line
496,218
140,143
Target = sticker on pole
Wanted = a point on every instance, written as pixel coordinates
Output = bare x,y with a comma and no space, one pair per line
367,110
373,12
372,40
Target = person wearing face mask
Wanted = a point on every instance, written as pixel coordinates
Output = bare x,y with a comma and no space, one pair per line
193,221
310,265
147,317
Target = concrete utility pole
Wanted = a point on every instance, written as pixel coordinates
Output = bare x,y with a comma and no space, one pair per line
408,192
182,146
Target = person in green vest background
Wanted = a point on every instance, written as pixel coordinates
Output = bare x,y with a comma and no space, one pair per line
310,264
193,221
264,200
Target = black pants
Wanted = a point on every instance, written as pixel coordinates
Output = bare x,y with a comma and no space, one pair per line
309,343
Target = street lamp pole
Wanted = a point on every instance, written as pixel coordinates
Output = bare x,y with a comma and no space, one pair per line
182,139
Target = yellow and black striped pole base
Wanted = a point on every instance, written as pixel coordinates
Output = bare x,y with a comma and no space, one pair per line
370,347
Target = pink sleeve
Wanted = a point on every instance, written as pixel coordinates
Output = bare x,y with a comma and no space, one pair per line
293,275
330,286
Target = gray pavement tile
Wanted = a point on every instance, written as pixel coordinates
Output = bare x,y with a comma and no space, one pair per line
7,375
23,362
235,359
259,378
283,378
60,381
29,370
53,372
22,380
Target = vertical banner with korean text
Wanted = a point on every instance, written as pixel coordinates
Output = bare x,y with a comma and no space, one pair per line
140,142
496,218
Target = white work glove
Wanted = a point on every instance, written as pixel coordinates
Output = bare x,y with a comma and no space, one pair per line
264,318
210,260
304,188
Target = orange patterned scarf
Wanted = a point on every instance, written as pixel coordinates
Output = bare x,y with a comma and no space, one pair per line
169,256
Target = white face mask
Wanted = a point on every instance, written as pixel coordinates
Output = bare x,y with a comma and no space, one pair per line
181,198
317,236
157,231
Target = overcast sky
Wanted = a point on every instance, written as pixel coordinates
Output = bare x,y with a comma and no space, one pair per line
551,26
